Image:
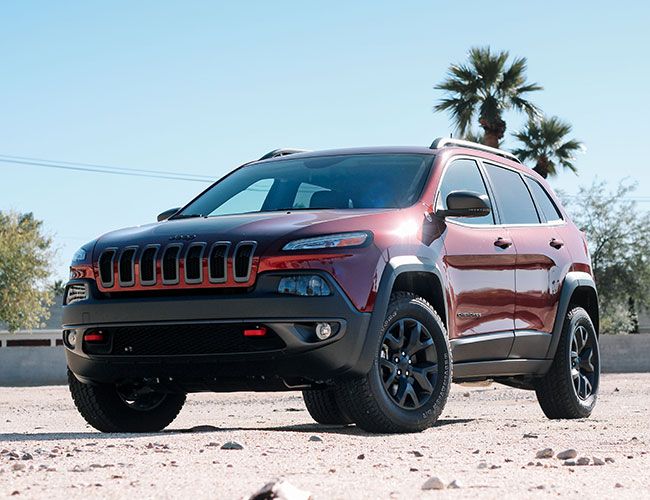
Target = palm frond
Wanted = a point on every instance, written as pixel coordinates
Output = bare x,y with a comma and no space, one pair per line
486,86
544,141
472,136
524,105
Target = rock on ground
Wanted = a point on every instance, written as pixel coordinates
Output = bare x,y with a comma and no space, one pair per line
434,483
280,489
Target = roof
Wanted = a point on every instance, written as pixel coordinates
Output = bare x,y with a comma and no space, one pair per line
360,150
472,151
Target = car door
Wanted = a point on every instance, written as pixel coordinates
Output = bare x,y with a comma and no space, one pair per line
553,240
480,267
540,260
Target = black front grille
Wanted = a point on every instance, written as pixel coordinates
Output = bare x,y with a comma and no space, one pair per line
176,263
188,339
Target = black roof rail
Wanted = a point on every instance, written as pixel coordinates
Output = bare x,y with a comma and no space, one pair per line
281,152
441,142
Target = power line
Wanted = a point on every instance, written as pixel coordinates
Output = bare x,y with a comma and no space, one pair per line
103,169
154,174
106,167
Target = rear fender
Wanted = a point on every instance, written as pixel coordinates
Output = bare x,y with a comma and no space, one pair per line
573,281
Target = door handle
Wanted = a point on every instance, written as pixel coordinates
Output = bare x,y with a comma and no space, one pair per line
502,242
555,243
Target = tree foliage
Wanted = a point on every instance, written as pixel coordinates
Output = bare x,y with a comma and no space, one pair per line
545,142
486,86
25,256
619,243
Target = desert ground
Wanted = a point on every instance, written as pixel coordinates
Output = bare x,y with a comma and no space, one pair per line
486,442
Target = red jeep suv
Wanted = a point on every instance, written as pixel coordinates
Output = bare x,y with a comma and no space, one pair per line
369,279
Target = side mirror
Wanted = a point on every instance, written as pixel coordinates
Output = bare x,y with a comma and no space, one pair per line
465,204
167,214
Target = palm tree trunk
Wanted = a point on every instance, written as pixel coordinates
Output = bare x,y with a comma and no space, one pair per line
493,131
542,166
491,139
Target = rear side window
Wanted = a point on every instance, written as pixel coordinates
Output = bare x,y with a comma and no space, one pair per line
544,201
464,175
515,204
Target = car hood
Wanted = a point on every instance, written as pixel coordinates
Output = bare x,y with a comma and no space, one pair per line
264,228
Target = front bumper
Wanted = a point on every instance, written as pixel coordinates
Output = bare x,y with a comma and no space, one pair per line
302,361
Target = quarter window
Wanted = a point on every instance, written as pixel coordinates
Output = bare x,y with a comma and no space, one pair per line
515,203
463,175
544,201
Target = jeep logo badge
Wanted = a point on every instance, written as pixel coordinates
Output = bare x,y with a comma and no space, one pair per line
182,237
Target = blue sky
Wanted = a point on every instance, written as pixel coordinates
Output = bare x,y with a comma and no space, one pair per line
200,87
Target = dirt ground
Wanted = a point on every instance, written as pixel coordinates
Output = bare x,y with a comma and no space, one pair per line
486,440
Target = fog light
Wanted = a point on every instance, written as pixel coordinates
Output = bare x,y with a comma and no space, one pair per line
323,331
304,285
70,338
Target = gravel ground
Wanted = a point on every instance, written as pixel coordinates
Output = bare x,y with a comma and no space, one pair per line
487,440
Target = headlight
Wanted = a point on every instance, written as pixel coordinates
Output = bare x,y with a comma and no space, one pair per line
79,255
304,285
340,240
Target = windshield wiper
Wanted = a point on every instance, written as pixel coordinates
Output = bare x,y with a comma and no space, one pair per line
187,216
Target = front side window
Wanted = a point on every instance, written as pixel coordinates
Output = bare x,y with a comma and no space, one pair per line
463,175
366,181
515,204
544,201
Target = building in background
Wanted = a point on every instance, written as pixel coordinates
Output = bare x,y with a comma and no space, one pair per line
34,357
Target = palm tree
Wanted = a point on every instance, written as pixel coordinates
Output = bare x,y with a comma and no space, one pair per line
545,142
472,136
487,87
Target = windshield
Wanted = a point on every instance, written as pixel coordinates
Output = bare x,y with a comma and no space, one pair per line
326,182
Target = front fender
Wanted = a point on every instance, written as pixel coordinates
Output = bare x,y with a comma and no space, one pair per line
395,266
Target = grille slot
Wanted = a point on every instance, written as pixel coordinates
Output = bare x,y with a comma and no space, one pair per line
170,264
106,267
126,265
194,263
148,266
188,339
217,262
243,260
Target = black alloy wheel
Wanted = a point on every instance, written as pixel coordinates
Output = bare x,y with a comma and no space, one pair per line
570,387
408,363
584,353
407,385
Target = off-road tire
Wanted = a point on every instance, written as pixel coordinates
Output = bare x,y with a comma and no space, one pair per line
324,407
556,392
366,399
101,406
